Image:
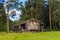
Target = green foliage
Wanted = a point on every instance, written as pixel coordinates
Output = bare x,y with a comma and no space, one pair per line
29,11
2,19
56,9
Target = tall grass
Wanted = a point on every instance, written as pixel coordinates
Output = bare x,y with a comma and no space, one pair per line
30,36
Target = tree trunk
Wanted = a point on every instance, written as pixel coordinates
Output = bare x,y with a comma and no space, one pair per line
36,8
31,10
7,23
50,21
7,19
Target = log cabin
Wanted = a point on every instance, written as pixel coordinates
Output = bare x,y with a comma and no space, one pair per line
29,25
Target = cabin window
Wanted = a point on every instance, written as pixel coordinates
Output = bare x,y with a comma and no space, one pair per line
41,24
23,26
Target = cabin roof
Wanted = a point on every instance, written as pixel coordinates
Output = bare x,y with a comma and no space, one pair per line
20,23
31,20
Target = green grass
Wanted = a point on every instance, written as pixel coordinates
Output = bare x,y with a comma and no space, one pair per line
30,36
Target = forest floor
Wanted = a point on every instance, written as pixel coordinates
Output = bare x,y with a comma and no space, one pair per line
30,36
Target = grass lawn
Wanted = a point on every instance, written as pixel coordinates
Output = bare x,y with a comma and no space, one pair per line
30,36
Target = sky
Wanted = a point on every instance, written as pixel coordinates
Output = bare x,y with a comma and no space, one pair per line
15,16
17,0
